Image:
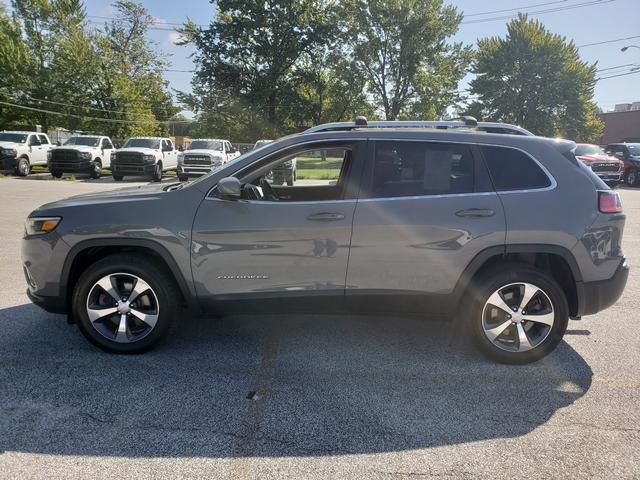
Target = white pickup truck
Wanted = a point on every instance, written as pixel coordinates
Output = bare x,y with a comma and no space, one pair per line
204,155
19,151
148,156
81,154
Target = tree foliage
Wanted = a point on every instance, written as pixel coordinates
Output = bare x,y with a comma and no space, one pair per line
252,64
58,63
400,47
536,79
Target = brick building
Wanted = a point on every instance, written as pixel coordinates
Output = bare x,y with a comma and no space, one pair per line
620,126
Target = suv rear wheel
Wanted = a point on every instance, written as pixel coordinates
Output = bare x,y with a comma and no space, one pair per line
125,304
518,314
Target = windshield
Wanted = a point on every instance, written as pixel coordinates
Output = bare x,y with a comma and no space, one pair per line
205,145
86,141
634,149
13,137
589,150
143,143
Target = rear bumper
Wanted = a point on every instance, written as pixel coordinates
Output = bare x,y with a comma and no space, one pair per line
597,296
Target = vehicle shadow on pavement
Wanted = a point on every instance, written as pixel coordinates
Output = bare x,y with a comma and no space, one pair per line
267,386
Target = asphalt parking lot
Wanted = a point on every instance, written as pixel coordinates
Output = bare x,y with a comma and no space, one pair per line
337,396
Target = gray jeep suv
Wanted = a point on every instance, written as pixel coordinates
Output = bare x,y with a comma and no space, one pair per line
506,232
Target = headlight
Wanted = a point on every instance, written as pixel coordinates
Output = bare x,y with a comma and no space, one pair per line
113,156
49,155
180,158
9,152
149,158
41,225
85,155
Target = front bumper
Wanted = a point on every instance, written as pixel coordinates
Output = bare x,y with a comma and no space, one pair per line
80,166
8,163
609,177
597,296
123,169
48,304
194,171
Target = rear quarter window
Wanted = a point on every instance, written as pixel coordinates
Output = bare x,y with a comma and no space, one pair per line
512,169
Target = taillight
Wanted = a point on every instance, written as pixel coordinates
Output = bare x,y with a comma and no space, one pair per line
609,202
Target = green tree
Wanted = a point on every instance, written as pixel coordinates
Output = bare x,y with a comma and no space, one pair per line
13,53
400,47
246,58
128,85
536,79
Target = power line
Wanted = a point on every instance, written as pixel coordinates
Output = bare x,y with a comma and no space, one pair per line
608,41
617,67
538,12
620,75
513,9
98,119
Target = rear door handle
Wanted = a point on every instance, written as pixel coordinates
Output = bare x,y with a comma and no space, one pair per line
475,212
326,217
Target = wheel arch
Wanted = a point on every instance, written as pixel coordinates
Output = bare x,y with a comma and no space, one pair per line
89,251
557,261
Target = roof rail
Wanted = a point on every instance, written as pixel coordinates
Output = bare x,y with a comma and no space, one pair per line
463,122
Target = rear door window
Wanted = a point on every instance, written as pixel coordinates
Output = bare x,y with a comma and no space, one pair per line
405,169
512,169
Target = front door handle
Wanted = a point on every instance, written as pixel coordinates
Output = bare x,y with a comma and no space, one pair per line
475,212
326,217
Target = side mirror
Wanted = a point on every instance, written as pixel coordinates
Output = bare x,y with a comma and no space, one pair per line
229,187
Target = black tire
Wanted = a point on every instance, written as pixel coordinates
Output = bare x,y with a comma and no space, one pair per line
118,178
163,285
631,178
56,174
157,173
488,283
96,169
183,178
23,167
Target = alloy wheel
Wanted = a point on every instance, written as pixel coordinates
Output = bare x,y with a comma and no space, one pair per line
518,317
122,307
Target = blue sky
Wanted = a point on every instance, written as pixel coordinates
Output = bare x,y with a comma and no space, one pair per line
606,20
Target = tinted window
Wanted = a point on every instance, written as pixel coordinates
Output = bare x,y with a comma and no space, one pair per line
513,170
403,169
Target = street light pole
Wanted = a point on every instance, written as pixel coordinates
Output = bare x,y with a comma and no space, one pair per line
627,47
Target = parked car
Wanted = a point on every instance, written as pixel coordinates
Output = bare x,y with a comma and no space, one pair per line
19,151
629,153
261,143
146,156
607,167
81,154
509,234
203,155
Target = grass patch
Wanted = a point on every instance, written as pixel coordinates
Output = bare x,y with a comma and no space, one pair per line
318,174
309,163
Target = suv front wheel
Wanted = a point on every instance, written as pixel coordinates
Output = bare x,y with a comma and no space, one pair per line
125,304
518,314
